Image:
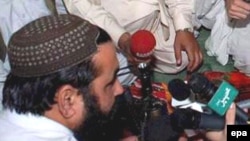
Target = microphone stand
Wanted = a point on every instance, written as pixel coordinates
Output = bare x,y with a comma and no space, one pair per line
152,107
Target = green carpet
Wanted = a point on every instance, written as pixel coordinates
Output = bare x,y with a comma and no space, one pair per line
209,63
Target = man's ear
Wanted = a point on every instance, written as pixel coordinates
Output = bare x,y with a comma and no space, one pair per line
66,97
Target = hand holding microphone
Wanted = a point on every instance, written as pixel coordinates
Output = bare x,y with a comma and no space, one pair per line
138,47
229,120
219,98
186,116
217,131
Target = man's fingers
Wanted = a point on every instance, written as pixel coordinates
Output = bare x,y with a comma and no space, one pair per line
238,9
230,115
178,55
194,61
201,57
243,4
238,15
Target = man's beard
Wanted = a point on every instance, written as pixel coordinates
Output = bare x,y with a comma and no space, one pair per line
97,125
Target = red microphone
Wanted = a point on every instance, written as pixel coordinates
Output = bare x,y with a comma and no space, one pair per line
142,44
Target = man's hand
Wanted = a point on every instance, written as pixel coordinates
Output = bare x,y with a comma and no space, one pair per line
124,44
237,9
185,41
222,135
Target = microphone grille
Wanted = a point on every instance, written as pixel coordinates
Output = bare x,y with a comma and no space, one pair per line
198,82
142,44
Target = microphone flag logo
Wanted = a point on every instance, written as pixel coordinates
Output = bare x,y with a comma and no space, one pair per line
223,98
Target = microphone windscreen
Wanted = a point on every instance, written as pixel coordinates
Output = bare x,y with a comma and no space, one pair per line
197,82
179,89
201,85
142,44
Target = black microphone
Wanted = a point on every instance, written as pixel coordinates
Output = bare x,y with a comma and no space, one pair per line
178,89
190,119
182,97
219,98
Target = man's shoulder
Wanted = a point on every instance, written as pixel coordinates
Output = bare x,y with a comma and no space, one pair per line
24,127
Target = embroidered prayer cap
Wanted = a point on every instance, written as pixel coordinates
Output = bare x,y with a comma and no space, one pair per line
51,43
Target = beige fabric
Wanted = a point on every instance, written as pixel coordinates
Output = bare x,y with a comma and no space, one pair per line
96,2
120,16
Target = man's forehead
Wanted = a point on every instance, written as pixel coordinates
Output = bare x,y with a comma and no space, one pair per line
106,58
